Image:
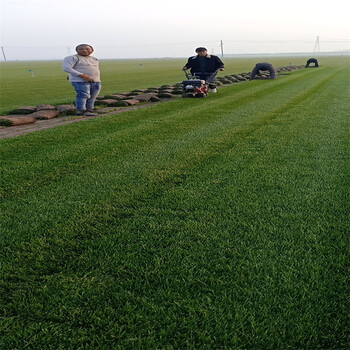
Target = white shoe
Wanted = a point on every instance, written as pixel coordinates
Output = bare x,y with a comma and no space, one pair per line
213,91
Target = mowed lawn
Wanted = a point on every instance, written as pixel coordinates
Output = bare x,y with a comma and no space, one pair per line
217,223
49,85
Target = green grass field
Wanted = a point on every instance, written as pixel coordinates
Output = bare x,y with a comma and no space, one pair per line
18,88
217,223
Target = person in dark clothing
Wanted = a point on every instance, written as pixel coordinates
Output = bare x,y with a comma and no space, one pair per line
263,66
311,60
204,65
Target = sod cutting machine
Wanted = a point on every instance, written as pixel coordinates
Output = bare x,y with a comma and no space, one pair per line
196,87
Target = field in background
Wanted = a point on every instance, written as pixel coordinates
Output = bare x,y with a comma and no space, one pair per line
216,223
49,85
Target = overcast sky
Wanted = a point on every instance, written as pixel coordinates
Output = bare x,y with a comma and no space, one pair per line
50,29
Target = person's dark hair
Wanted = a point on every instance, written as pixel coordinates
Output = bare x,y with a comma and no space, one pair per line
201,49
83,45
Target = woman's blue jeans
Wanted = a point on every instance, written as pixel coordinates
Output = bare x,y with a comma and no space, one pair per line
86,95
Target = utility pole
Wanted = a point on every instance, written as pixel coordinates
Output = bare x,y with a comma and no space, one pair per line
222,48
3,53
317,45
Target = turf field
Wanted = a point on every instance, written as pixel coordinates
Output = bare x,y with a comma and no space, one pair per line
216,223
49,84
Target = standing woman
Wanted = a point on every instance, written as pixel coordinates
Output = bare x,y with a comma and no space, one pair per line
84,74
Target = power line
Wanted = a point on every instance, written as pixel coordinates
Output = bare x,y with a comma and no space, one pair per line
336,41
343,41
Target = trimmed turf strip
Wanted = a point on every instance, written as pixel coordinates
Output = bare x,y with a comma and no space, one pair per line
197,223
